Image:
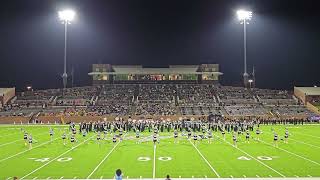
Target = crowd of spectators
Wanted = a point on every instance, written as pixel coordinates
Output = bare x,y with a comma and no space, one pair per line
155,99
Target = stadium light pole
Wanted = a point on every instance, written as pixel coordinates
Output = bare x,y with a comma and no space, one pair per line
244,18
66,16
250,81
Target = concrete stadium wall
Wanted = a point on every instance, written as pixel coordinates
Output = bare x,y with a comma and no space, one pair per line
13,119
313,108
299,94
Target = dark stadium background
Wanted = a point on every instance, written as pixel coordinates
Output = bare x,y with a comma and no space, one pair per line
283,39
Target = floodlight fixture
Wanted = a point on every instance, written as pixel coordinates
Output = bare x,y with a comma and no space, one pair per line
244,15
67,15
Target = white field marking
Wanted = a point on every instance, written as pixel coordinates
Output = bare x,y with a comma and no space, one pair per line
307,135
95,169
309,175
254,158
296,176
10,142
301,142
28,150
16,141
231,176
75,177
10,134
292,153
48,177
154,161
61,177
257,176
305,143
101,177
205,160
35,178
270,176
55,158
8,178
244,176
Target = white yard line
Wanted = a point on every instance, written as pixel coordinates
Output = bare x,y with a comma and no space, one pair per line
10,142
253,158
55,158
10,134
305,143
96,168
205,160
154,161
27,150
17,140
301,142
292,153
306,135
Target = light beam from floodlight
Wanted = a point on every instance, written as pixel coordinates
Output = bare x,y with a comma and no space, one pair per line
244,18
66,16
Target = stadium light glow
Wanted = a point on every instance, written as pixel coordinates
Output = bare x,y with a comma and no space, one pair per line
66,15
244,15
29,88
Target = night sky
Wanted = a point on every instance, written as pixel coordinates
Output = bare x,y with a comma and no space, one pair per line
283,39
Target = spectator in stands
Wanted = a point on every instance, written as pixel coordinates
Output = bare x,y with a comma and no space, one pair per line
118,174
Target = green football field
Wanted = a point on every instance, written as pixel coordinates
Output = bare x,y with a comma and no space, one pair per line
87,159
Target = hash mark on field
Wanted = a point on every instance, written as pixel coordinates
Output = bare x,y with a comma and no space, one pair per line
257,176
8,178
35,178
75,177
270,176
26,150
205,160
244,176
56,158
231,176
61,177
102,177
254,158
292,153
309,175
48,178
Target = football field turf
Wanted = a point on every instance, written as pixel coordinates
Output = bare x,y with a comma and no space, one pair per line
87,159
